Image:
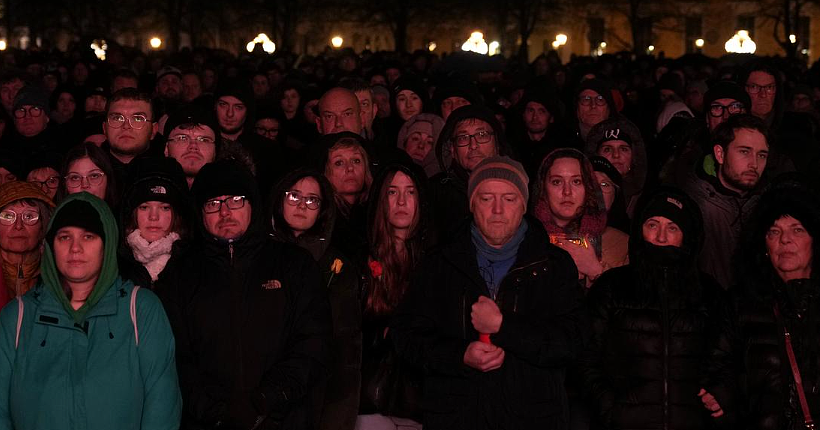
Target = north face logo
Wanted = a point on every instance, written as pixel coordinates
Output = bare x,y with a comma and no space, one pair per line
273,284
675,202
159,189
612,134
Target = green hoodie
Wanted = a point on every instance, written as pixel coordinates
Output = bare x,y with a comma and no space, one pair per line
110,270
67,369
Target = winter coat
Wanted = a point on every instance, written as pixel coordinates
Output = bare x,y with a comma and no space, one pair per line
725,213
541,334
771,400
339,400
253,327
660,331
95,368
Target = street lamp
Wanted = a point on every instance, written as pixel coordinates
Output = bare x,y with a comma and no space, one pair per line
262,38
495,47
740,43
476,44
699,43
3,44
337,41
156,42
431,46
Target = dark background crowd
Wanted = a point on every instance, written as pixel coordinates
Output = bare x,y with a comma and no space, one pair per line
384,241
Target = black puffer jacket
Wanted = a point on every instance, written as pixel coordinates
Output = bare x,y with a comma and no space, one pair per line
252,323
661,331
541,335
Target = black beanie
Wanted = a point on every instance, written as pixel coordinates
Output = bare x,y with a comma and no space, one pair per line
601,164
669,207
77,213
223,178
727,90
192,114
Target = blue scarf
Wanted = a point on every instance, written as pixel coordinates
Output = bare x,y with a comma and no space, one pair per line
494,263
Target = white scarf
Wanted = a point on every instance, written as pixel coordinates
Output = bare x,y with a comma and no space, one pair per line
155,255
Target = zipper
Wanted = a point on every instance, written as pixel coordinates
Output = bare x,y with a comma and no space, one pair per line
230,253
665,328
20,277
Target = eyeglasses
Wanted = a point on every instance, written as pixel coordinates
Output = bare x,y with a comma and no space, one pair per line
608,187
754,88
9,217
267,131
215,205
32,111
716,110
481,137
137,122
187,140
75,180
588,100
51,182
294,198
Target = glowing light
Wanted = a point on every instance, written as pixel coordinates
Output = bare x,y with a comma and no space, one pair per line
262,38
495,47
792,38
650,48
555,44
156,42
561,39
805,52
337,41
741,43
3,45
699,43
99,47
476,44
603,45
431,46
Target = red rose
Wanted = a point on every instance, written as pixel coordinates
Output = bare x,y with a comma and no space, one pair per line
375,269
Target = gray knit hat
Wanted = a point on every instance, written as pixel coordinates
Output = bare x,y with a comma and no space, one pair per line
502,168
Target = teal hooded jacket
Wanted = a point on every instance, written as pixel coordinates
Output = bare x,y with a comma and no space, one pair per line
84,369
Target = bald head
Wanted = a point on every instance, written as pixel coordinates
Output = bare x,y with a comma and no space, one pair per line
339,111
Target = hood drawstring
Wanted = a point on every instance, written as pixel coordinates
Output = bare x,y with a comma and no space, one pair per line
43,343
108,323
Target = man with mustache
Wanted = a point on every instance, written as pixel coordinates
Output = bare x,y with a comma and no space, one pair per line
727,192
251,318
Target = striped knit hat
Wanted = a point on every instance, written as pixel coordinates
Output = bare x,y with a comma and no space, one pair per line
500,168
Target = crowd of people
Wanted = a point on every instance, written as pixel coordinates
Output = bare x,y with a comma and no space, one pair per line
383,241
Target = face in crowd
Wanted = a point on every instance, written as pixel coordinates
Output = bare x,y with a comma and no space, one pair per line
498,209
591,108
346,170
154,220
662,231
78,254
762,89
536,118
367,107
721,109
301,205
129,127
743,160
339,110
30,120
192,146
473,140
84,175
227,217
619,153
565,191
231,114
21,228
46,178
789,247
402,202
450,104
408,103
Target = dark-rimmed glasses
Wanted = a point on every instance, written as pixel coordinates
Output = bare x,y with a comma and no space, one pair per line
294,198
215,205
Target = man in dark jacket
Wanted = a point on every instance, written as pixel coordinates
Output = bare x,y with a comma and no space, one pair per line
471,134
495,318
726,190
252,322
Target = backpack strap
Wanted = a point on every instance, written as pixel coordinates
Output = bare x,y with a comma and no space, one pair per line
19,320
134,313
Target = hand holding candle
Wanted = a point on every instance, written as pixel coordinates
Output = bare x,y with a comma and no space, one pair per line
486,317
